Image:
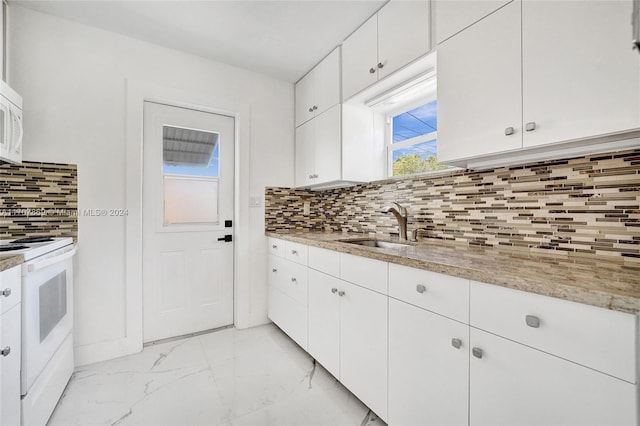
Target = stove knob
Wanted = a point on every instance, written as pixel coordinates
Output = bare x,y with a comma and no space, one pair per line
6,292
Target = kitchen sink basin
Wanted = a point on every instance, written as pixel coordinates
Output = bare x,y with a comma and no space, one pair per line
376,243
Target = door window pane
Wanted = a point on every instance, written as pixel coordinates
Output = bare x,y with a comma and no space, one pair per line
190,176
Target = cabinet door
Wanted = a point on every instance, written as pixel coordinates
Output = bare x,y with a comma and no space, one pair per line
513,384
288,314
359,56
479,88
327,82
304,98
305,164
404,34
580,77
10,367
428,374
327,146
363,345
452,17
324,325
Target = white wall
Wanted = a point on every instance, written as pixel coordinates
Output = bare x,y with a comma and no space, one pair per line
73,79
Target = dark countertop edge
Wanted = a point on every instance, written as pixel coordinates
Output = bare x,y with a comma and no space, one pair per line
595,297
8,261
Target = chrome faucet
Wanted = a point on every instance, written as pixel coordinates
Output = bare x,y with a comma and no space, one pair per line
401,215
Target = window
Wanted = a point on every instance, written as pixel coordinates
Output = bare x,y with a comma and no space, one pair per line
413,136
191,176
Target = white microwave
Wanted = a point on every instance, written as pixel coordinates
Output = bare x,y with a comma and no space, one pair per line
11,130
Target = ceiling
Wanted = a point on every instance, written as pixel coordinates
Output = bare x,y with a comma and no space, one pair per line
283,39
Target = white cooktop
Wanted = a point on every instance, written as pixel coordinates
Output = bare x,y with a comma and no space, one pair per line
33,250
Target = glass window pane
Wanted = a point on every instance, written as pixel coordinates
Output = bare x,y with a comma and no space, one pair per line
190,176
419,121
418,158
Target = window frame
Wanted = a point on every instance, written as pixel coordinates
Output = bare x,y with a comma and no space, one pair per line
407,143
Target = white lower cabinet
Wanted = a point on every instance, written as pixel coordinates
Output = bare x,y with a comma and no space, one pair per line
363,345
428,367
348,336
398,339
324,320
287,297
512,384
10,330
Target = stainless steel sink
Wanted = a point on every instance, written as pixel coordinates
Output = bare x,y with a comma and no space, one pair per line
376,243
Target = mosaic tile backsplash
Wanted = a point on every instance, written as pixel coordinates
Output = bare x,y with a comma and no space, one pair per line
38,199
588,205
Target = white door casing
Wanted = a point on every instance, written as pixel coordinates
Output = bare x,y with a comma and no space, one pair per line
187,270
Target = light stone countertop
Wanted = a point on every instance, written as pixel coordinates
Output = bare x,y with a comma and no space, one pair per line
601,281
8,261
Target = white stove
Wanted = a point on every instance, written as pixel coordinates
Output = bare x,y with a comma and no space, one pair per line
47,323
31,250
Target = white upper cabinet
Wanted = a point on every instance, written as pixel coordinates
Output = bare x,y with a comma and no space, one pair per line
399,33
479,86
318,145
404,34
319,90
452,17
537,73
580,77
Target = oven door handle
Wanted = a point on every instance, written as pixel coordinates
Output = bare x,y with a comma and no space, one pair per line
50,261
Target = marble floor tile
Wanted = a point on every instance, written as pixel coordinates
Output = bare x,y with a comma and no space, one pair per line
257,376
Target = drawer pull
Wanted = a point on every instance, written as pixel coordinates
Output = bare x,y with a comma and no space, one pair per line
532,321
456,343
334,290
6,351
421,288
477,352
274,270
341,293
509,131
293,280
294,252
274,246
6,292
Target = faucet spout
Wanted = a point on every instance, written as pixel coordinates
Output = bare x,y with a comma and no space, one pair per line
401,216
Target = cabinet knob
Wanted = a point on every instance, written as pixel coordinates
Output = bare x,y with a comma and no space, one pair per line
530,127
372,70
274,246
6,292
421,288
294,252
310,176
315,176
532,321
315,107
334,290
341,293
509,131
6,351
310,109
274,270
477,352
380,65
456,343
294,279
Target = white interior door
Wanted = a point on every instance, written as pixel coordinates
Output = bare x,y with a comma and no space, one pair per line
188,198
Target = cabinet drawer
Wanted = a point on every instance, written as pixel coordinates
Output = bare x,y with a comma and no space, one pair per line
288,277
296,252
275,246
11,288
323,260
442,294
368,273
602,339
